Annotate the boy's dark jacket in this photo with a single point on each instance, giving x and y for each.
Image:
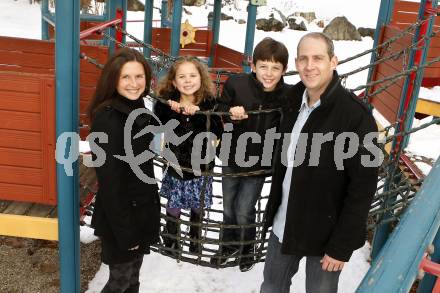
(327, 208)
(127, 210)
(195, 123)
(245, 90)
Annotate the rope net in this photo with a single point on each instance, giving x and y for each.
(396, 187)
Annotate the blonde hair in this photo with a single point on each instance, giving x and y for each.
(166, 88)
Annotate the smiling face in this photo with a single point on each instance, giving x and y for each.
(314, 65)
(187, 80)
(131, 82)
(268, 73)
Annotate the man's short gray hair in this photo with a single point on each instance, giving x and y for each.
(321, 36)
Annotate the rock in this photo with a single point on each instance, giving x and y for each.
(135, 5)
(49, 267)
(16, 242)
(194, 2)
(309, 16)
(222, 16)
(241, 21)
(366, 32)
(293, 25)
(320, 23)
(341, 29)
(269, 25)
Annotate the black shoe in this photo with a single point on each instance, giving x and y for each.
(222, 258)
(246, 263)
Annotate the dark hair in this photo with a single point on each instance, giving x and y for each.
(320, 36)
(106, 90)
(270, 50)
(166, 89)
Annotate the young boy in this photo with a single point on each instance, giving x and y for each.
(261, 89)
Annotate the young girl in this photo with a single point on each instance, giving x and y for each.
(188, 88)
(127, 209)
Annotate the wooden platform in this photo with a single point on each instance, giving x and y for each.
(428, 107)
(29, 220)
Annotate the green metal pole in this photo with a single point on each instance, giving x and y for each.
(148, 26)
(175, 33)
(215, 29)
(164, 14)
(250, 34)
(67, 77)
(44, 24)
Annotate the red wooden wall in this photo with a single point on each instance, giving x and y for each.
(27, 137)
(27, 116)
(404, 14)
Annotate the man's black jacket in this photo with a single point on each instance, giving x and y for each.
(327, 208)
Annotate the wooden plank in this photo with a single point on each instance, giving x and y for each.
(29, 227)
(20, 121)
(27, 45)
(21, 176)
(19, 101)
(19, 192)
(401, 5)
(17, 208)
(27, 59)
(428, 107)
(20, 139)
(20, 158)
(383, 109)
(40, 210)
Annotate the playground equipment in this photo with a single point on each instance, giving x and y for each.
(61, 64)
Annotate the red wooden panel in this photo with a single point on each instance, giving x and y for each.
(20, 192)
(383, 109)
(226, 57)
(400, 5)
(20, 139)
(22, 102)
(21, 158)
(28, 139)
(18, 175)
(26, 45)
(20, 120)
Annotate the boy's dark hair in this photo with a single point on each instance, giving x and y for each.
(270, 50)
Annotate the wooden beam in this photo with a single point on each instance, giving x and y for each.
(428, 107)
(29, 227)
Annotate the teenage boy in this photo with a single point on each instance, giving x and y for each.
(261, 89)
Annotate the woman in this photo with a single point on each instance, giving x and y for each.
(127, 210)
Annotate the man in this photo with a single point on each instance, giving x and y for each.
(262, 89)
(318, 210)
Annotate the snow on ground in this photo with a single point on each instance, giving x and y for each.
(161, 274)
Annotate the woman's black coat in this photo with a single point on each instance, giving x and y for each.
(127, 210)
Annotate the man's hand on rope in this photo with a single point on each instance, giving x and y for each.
(238, 113)
(330, 264)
